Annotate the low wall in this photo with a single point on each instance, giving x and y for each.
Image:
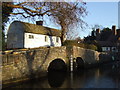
(89, 56)
(23, 65)
(26, 64)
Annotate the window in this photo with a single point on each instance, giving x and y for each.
(57, 39)
(108, 48)
(31, 37)
(103, 48)
(46, 39)
(113, 48)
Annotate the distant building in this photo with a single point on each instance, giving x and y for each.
(108, 40)
(26, 35)
(107, 46)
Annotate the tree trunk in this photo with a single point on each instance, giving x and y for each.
(63, 33)
(63, 38)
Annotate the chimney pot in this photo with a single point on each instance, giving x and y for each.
(118, 32)
(98, 31)
(98, 34)
(114, 30)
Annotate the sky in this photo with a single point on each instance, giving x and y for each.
(101, 13)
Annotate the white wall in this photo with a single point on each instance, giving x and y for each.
(39, 40)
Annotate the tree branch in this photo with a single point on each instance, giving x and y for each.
(21, 7)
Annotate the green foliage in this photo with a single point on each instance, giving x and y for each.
(83, 45)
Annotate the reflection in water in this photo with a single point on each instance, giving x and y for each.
(106, 76)
(56, 79)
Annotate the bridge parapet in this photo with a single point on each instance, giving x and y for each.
(23, 64)
(28, 63)
(89, 56)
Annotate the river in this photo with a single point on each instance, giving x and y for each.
(106, 76)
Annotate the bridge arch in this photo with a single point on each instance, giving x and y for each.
(80, 63)
(57, 65)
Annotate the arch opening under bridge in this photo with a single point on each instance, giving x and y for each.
(80, 63)
(57, 65)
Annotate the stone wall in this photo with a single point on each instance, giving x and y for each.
(92, 57)
(14, 67)
(89, 56)
(28, 64)
(25, 64)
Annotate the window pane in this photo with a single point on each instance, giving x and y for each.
(31, 36)
(57, 39)
(46, 39)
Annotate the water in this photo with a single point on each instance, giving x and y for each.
(106, 76)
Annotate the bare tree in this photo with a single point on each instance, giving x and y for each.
(65, 14)
(97, 26)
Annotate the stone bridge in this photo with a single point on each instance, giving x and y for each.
(23, 64)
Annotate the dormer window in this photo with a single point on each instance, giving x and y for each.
(31, 37)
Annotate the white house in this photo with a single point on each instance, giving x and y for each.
(25, 35)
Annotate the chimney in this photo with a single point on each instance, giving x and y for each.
(98, 31)
(114, 30)
(93, 33)
(39, 23)
(98, 34)
(118, 32)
